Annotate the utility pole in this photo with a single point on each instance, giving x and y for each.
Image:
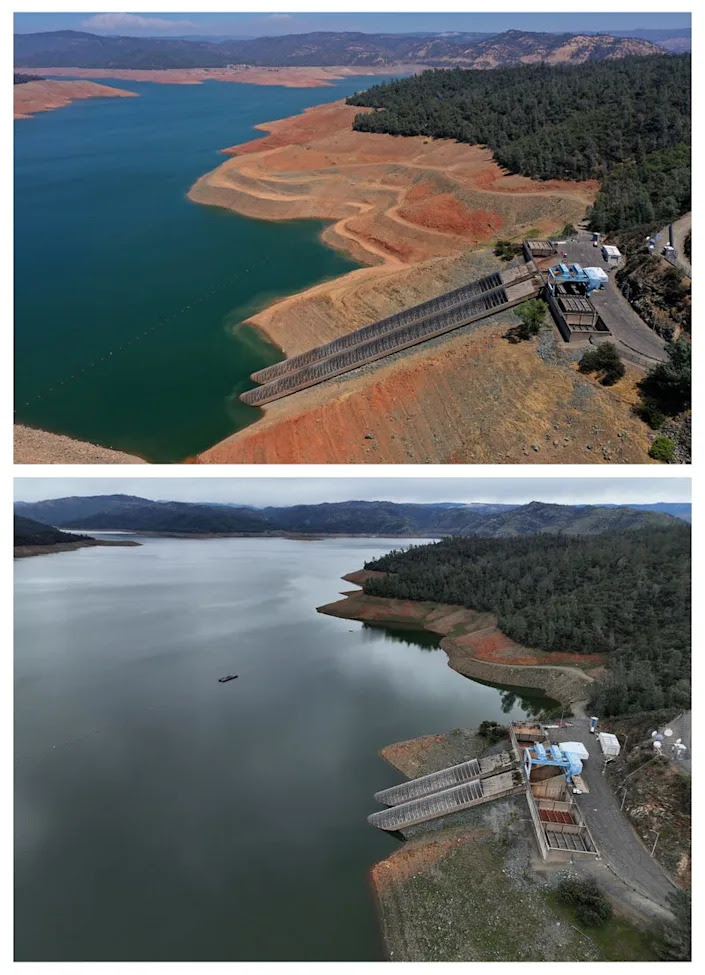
(653, 848)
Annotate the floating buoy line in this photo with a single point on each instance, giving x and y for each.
(116, 350)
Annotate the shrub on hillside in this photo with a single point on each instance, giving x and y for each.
(604, 359)
(591, 906)
(506, 249)
(662, 449)
(492, 731)
(668, 383)
(650, 413)
(532, 315)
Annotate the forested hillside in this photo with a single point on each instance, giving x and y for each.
(626, 122)
(339, 518)
(626, 594)
(22, 79)
(653, 187)
(30, 532)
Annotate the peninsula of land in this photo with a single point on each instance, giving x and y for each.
(25, 551)
(421, 215)
(397, 203)
(45, 94)
(35, 538)
(475, 645)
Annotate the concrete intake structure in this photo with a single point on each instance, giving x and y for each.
(408, 317)
(447, 791)
(480, 299)
(444, 779)
(472, 793)
(561, 831)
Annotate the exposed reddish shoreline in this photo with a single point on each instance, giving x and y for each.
(397, 203)
(422, 215)
(42, 96)
(474, 644)
(303, 77)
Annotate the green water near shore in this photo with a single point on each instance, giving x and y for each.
(160, 815)
(130, 299)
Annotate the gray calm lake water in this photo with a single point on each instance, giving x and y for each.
(162, 815)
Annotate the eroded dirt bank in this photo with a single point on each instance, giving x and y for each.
(41, 96)
(303, 77)
(475, 646)
(421, 214)
(397, 202)
(469, 397)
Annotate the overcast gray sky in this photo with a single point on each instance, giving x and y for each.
(262, 491)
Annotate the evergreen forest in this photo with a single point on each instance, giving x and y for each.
(625, 594)
(625, 122)
(22, 79)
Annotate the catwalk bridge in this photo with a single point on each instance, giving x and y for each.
(472, 302)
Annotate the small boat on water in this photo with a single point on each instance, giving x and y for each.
(224, 680)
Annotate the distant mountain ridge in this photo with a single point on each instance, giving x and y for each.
(127, 513)
(80, 49)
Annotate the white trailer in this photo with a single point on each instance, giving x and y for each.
(609, 744)
(611, 254)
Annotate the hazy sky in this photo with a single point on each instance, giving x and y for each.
(259, 24)
(260, 491)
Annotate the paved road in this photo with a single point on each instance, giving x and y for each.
(627, 328)
(617, 842)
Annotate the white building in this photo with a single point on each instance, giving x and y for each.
(611, 254)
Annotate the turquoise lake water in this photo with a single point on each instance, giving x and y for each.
(108, 248)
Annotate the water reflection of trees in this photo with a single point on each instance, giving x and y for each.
(508, 700)
(421, 639)
(533, 707)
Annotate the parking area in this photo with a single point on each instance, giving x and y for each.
(628, 329)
